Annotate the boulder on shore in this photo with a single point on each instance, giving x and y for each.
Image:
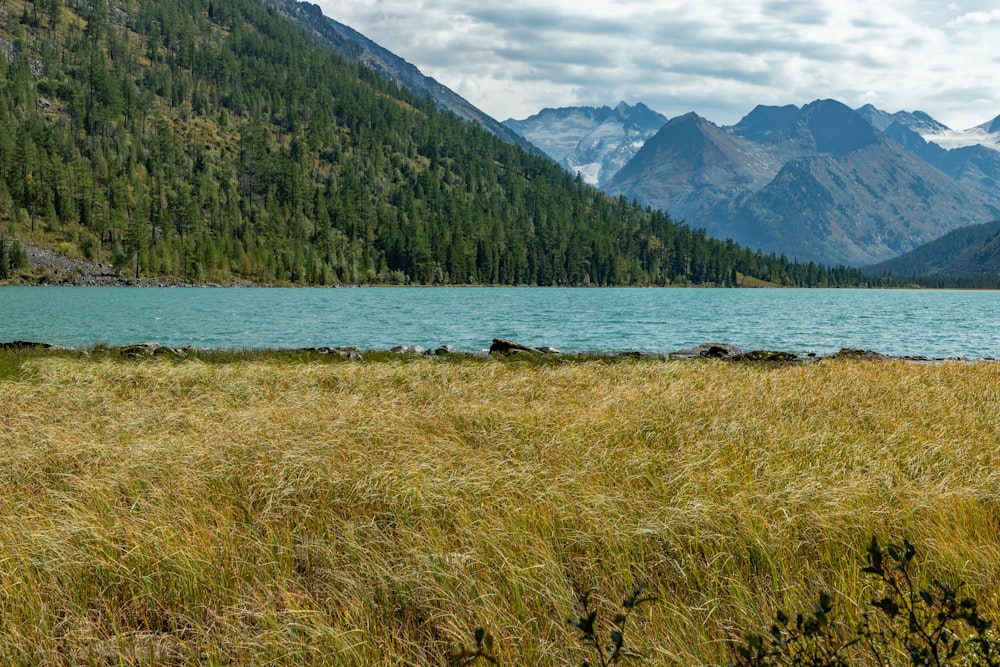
(25, 345)
(709, 351)
(151, 350)
(504, 346)
(768, 356)
(848, 353)
(407, 349)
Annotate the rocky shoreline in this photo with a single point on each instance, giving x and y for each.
(503, 348)
(722, 351)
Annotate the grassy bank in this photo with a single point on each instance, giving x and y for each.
(295, 511)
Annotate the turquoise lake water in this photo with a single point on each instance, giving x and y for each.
(898, 322)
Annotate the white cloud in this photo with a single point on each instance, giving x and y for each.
(976, 18)
(720, 59)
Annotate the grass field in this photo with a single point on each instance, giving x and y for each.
(270, 510)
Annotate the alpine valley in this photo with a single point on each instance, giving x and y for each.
(258, 141)
(820, 183)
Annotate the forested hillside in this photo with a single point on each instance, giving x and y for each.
(967, 257)
(213, 140)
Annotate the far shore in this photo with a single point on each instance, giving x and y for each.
(51, 268)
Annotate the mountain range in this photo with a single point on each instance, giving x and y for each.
(811, 183)
(820, 183)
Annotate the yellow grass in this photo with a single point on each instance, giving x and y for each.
(374, 513)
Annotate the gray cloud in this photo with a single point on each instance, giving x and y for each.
(719, 59)
(795, 11)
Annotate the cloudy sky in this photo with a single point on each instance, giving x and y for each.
(720, 58)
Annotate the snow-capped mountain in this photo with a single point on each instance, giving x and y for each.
(593, 142)
(971, 157)
(933, 131)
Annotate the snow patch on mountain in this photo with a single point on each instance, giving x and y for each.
(594, 142)
(975, 136)
(987, 134)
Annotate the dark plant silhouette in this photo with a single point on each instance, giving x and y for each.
(905, 624)
(606, 644)
(612, 650)
(931, 626)
(813, 640)
(484, 650)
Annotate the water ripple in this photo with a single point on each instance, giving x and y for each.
(898, 322)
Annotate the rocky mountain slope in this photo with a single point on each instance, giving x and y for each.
(593, 142)
(818, 183)
(918, 121)
(351, 44)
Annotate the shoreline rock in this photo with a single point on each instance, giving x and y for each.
(848, 353)
(708, 351)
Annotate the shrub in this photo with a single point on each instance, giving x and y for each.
(603, 640)
(905, 624)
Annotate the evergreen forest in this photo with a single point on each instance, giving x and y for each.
(213, 140)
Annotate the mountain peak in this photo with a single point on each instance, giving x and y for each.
(918, 121)
(689, 117)
(764, 122)
(836, 128)
(823, 126)
(992, 126)
(681, 167)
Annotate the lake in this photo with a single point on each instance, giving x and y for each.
(898, 322)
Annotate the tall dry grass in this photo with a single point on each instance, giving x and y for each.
(374, 513)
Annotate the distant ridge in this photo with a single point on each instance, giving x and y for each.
(352, 45)
(817, 183)
(917, 120)
(965, 252)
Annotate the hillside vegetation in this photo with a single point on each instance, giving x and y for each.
(966, 257)
(214, 140)
(288, 511)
